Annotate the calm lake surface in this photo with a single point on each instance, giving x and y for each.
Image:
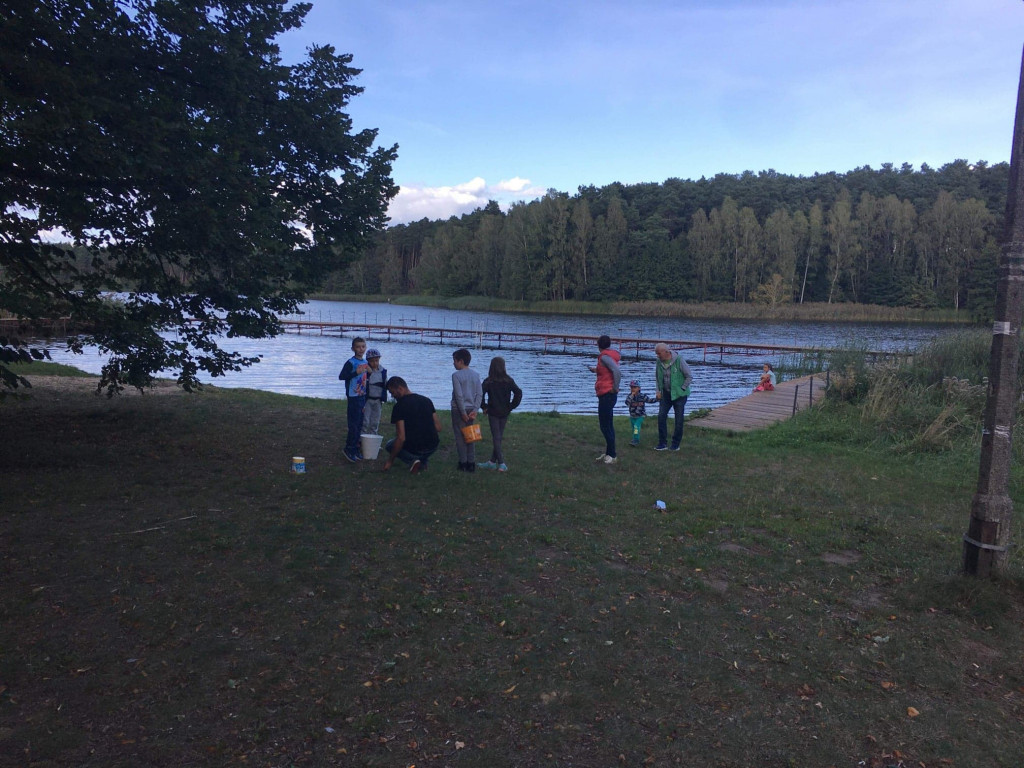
(308, 364)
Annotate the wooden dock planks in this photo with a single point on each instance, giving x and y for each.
(762, 409)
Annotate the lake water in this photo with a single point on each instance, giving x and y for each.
(308, 365)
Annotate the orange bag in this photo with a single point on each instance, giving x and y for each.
(471, 433)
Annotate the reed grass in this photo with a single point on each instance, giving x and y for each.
(928, 401)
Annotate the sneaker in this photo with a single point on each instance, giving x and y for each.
(634, 443)
(471, 466)
(661, 447)
(609, 459)
(674, 448)
(351, 455)
(487, 465)
(602, 457)
(462, 466)
(502, 468)
(417, 467)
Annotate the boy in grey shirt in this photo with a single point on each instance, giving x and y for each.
(467, 393)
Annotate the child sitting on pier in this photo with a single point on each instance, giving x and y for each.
(636, 402)
(767, 383)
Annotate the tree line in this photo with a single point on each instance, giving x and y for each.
(891, 236)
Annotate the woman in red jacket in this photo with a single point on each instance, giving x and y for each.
(607, 388)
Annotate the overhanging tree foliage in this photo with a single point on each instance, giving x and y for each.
(208, 182)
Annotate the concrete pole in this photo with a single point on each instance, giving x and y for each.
(988, 534)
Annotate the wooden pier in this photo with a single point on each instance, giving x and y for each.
(762, 409)
(704, 351)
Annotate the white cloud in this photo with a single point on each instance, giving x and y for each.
(415, 202)
(474, 186)
(515, 184)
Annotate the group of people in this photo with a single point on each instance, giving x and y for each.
(418, 427)
(674, 381)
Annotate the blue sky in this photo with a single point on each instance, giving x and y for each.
(503, 100)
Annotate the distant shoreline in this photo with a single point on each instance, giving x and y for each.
(810, 312)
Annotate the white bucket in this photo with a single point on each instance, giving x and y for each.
(298, 464)
(369, 446)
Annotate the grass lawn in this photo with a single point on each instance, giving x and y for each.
(173, 595)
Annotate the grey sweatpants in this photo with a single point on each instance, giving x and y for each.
(371, 417)
(467, 451)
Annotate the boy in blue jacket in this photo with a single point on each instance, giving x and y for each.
(354, 374)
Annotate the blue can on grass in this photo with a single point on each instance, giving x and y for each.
(298, 465)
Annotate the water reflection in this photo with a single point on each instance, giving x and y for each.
(308, 364)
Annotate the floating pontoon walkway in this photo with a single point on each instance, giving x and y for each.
(547, 342)
(762, 409)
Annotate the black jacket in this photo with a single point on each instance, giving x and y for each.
(501, 397)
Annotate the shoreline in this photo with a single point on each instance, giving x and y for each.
(810, 312)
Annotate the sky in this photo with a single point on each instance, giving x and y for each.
(506, 100)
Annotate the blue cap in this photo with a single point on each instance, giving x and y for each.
(372, 353)
(633, 383)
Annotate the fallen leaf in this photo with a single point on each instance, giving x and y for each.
(460, 745)
(888, 685)
(509, 690)
(911, 712)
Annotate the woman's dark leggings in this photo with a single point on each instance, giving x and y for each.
(605, 407)
(497, 424)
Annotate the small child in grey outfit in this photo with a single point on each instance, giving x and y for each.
(376, 393)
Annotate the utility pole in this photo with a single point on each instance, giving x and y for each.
(988, 534)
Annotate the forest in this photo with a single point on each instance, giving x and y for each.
(924, 238)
